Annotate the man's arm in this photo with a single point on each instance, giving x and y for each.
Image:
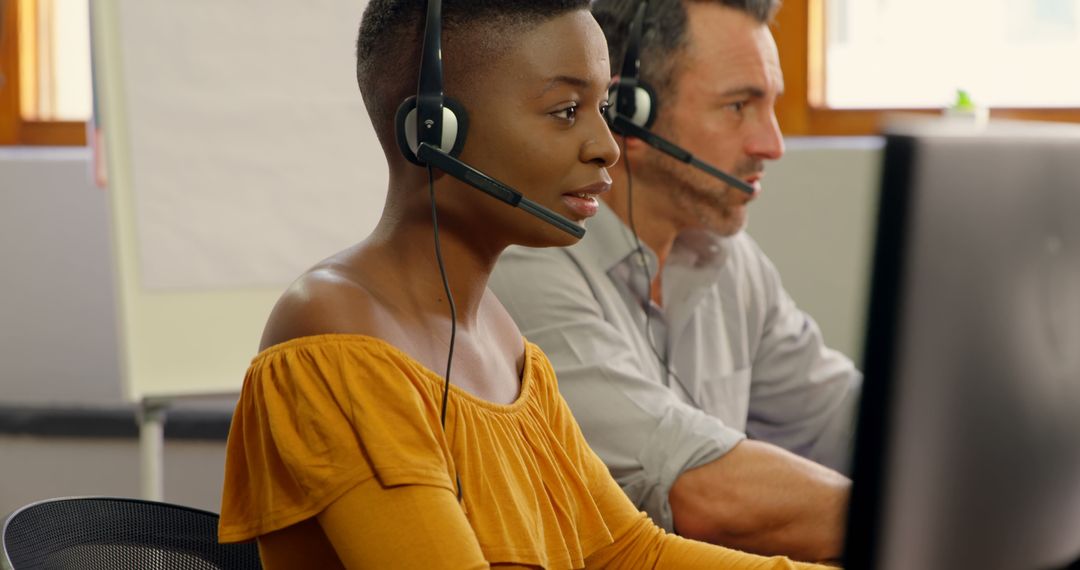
(649, 439)
(761, 498)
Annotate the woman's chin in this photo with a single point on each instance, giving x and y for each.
(549, 236)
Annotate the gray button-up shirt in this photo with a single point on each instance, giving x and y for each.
(744, 360)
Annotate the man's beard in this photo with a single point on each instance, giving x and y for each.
(701, 200)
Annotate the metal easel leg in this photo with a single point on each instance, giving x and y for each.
(152, 449)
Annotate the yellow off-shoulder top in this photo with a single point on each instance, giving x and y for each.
(326, 415)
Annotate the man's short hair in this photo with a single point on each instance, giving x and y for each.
(665, 33)
(391, 34)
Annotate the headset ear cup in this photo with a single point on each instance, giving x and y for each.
(644, 104)
(455, 126)
(612, 100)
(405, 130)
(647, 104)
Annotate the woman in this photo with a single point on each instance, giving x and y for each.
(339, 455)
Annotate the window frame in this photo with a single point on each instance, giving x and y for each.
(799, 31)
(14, 129)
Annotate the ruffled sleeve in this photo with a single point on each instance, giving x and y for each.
(318, 416)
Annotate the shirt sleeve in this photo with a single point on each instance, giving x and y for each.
(409, 526)
(640, 429)
(803, 394)
(314, 421)
(644, 545)
(637, 541)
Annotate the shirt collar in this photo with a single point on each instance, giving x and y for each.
(699, 249)
(696, 259)
(609, 242)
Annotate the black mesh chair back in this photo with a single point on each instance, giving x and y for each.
(95, 533)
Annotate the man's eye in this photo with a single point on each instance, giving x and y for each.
(567, 114)
(737, 106)
(604, 107)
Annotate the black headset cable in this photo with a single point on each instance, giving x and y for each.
(647, 304)
(453, 312)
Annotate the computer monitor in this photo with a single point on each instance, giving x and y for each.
(967, 451)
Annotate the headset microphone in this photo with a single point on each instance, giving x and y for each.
(633, 107)
(431, 130)
(624, 126)
(473, 177)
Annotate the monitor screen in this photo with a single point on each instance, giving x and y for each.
(967, 450)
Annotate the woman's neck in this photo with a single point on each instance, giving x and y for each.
(404, 247)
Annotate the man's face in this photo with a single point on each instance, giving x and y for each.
(725, 87)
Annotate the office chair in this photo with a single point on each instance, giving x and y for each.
(100, 533)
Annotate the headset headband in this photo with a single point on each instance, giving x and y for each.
(631, 92)
(626, 102)
(431, 115)
(429, 94)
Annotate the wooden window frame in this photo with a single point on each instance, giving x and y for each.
(14, 129)
(800, 37)
(799, 31)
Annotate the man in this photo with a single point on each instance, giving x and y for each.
(732, 422)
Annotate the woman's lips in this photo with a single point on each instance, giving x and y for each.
(583, 201)
(584, 205)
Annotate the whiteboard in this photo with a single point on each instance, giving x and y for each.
(239, 153)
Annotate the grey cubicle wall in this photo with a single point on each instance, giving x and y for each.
(57, 306)
(65, 428)
(815, 220)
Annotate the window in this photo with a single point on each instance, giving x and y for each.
(45, 87)
(917, 53)
(847, 63)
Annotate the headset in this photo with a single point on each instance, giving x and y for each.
(431, 130)
(634, 104)
(632, 110)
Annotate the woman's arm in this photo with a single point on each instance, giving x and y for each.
(410, 526)
(644, 545)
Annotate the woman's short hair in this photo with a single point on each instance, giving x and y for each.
(391, 32)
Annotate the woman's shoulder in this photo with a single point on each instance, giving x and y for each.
(337, 370)
(331, 324)
(330, 298)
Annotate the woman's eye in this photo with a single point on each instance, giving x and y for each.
(567, 114)
(737, 106)
(604, 107)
